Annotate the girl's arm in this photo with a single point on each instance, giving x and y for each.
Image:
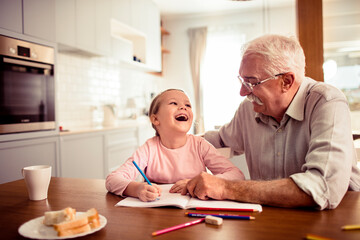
(218, 164)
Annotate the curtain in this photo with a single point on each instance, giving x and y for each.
(197, 52)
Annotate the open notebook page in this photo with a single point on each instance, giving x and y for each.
(184, 202)
(166, 199)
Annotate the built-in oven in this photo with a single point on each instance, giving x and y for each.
(27, 91)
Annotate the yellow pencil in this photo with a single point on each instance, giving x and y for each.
(351, 227)
(316, 237)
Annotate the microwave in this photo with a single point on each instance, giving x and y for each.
(27, 86)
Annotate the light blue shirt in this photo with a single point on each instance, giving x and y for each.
(312, 145)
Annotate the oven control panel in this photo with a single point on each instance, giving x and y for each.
(12, 47)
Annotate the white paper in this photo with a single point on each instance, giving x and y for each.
(184, 201)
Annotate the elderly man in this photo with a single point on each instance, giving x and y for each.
(295, 133)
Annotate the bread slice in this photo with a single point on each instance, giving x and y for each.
(82, 223)
(55, 217)
(93, 218)
(73, 231)
(77, 222)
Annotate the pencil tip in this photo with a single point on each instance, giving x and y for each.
(251, 217)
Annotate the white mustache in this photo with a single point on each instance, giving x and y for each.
(253, 98)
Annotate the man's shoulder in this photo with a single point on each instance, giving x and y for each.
(326, 91)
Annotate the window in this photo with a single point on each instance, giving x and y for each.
(221, 88)
(342, 52)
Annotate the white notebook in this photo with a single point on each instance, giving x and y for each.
(184, 201)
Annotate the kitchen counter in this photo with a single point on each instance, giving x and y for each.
(121, 124)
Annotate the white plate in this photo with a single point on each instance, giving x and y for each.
(35, 229)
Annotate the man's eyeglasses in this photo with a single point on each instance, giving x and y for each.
(250, 86)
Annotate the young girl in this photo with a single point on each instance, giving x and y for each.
(172, 156)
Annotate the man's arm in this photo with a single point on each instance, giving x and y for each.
(280, 193)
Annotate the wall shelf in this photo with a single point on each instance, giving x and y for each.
(132, 36)
(164, 32)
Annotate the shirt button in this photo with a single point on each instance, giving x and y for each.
(278, 153)
(279, 130)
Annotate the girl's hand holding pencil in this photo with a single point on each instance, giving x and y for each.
(148, 192)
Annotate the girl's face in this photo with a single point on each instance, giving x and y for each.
(174, 115)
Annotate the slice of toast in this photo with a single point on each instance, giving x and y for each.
(75, 223)
(82, 223)
(93, 218)
(55, 217)
(73, 231)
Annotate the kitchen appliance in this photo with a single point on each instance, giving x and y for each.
(27, 92)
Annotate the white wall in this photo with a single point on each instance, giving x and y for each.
(85, 83)
(255, 23)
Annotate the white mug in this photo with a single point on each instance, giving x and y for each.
(37, 179)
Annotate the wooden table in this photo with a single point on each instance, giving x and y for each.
(139, 223)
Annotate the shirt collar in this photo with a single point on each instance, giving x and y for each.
(296, 107)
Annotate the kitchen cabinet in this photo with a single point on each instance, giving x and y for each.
(96, 154)
(145, 17)
(39, 19)
(143, 20)
(120, 145)
(85, 24)
(119, 29)
(102, 27)
(76, 26)
(15, 155)
(11, 15)
(65, 23)
(82, 155)
(121, 10)
(34, 18)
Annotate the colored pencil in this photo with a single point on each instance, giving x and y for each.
(316, 237)
(227, 209)
(351, 227)
(225, 216)
(166, 230)
(141, 172)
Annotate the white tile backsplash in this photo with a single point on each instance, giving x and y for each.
(85, 84)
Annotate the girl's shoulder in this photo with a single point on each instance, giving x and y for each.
(197, 139)
(153, 140)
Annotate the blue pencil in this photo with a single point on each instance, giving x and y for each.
(225, 216)
(141, 172)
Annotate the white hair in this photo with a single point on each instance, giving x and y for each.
(281, 54)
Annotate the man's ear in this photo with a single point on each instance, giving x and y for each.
(288, 80)
(154, 120)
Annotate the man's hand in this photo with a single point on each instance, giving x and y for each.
(205, 186)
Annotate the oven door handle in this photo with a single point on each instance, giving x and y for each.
(26, 63)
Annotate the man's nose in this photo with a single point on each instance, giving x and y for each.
(244, 91)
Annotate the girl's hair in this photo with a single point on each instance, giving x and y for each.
(155, 105)
(281, 54)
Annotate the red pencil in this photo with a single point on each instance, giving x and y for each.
(178, 227)
(227, 209)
